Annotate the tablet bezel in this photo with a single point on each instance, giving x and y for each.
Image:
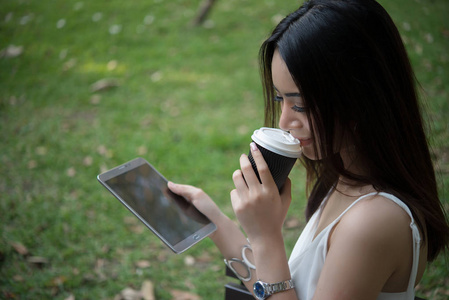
(181, 246)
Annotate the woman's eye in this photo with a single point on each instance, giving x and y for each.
(295, 108)
(299, 108)
(278, 99)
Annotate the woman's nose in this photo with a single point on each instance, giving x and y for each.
(289, 119)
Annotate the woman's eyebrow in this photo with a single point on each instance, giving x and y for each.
(293, 95)
(289, 94)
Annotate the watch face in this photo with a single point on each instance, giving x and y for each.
(259, 290)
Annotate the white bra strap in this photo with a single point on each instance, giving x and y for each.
(416, 240)
(352, 204)
(413, 227)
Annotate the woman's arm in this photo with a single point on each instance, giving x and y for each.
(369, 249)
(261, 211)
(228, 237)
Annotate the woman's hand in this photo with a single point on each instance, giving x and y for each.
(199, 199)
(259, 207)
(228, 236)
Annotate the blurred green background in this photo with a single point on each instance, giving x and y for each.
(88, 85)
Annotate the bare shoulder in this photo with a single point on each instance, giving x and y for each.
(372, 238)
(377, 222)
(377, 213)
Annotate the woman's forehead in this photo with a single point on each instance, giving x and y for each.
(282, 79)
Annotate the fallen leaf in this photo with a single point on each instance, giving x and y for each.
(97, 16)
(243, 129)
(38, 261)
(20, 248)
(156, 76)
(11, 51)
(428, 37)
(104, 84)
(143, 264)
(162, 256)
(209, 24)
(95, 99)
(100, 263)
(89, 278)
(137, 228)
(17, 278)
(61, 23)
(41, 150)
(8, 17)
(87, 161)
(65, 227)
(406, 26)
(91, 214)
(112, 65)
(9, 295)
(128, 294)
(205, 257)
(142, 150)
(70, 297)
(147, 290)
(146, 121)
(32, 164)
(99, 268)
(71, 172)
(291, 223)
(130, 220)
(115, 29)
(25, 19)
(69, 64)
(182, 295)
(58, 281)
(102, 150)
(74, 194)
(445, 32)
(63, 54)
(189, 260)
(277, 18)
(103, 168)
(78, 6)
(149, 19)
(216, 268)
(105, 249)
(188, 284)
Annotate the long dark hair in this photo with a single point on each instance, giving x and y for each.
(350, 65)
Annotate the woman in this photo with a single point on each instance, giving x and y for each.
(339, 73)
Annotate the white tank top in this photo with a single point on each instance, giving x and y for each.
(308, 255)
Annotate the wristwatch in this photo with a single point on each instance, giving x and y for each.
(263, 290)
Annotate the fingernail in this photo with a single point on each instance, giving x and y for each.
(253, 146)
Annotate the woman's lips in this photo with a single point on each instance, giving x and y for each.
(305, 142)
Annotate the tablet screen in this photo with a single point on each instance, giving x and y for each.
(146, 192)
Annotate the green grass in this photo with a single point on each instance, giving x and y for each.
(187, 100)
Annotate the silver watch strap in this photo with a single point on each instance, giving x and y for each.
(286, 285)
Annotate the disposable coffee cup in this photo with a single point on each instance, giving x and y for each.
(280, 151)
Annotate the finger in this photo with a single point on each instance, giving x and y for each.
(262, 167)
(286, 192)
(239, 181)
(187, 191)
(234, 197)
(235, 201)
(248, 171)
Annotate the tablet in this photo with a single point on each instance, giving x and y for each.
(143, 190)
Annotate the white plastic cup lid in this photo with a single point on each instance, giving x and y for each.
(277, 141)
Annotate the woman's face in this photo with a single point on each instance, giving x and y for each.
(293, 117)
